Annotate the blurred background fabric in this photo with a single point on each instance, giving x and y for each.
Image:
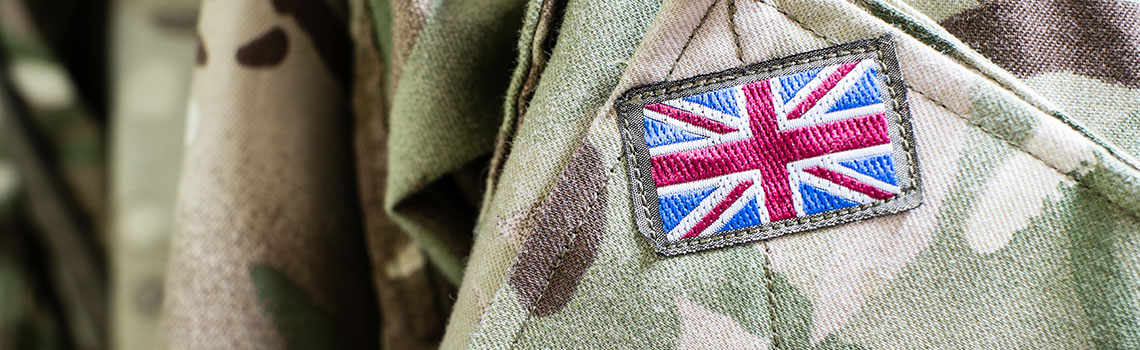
(212, 174)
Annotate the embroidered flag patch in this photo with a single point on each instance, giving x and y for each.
(790, 145)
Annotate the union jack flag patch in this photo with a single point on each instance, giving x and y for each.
(790, 145)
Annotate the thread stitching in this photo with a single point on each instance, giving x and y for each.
(635, 99)
(904, 127)
(735, 33)
(566, 249)
(771, 281)
(691, 36)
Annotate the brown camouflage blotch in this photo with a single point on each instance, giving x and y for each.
(201, 57)
(1096, 38)
(408, 19)
(321, 23)
(267, 50)
(565, 231)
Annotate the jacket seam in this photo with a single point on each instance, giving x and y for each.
(1135, 216)
(770, 283)
(576, 230)
(692, 35)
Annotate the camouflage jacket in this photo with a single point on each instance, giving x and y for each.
(570, 174)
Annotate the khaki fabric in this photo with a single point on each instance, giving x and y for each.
(268, 248)
(419, 174)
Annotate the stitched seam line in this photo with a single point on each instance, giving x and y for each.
(585, 209)
(565, 249)
(635, 99)
(735, 33)
(690, 39)
(636, 170)
(771, 282)
(972, 63)
(502, 140)
(1135, 216)
(788, 222)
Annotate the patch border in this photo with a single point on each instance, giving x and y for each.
(648, 218)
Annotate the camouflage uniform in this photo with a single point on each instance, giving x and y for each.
(418, 174)
(1026, 237)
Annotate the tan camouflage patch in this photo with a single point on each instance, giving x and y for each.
(482, 301)
(1061, 147)
(289, 121)
(941, 9)
(193, 120)
(757, 19)
(407, 262)
(1009, 200)
(513, 227)
(1108, 109)
(702, 329)
(863, 256)
(711, 47)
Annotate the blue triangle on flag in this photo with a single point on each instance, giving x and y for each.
(675, 207)
(863, 93)
(659, 134)
(721, 100)
(749, 215)
(818, 201)
(880, 167)
(792, 83)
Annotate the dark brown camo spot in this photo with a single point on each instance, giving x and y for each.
(317, 19)
(201, 56)
(267, 50)
(565, 230)
(1095, 38)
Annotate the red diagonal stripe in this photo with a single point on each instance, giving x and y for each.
(836, 136)
(719, 209)
(706, 163)
(691, 118)
(849, 182)
(821, 90)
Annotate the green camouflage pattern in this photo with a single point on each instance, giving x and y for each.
(417, 174)
(1026, 239)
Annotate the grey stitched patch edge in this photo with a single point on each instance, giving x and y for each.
(647, 215)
